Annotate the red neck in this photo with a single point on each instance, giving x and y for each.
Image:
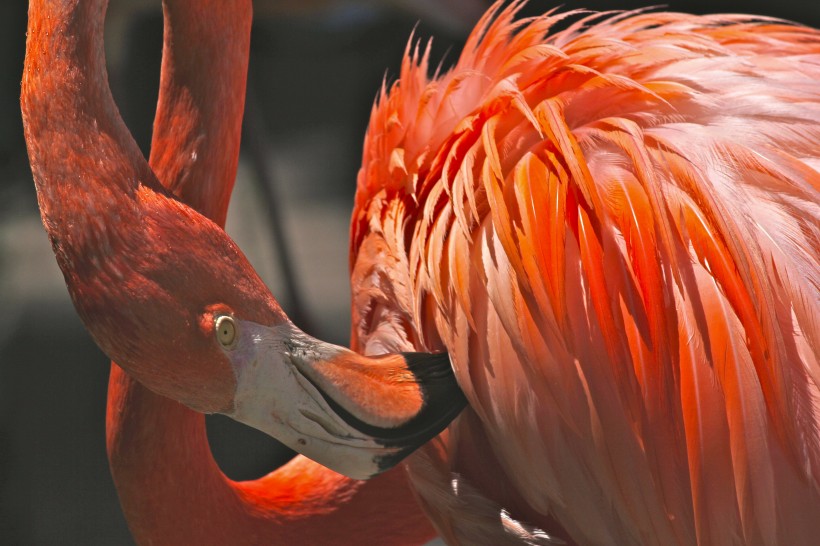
(83, 158)
(172, 491)
(170, 487)
(68, 110)
(195, 146)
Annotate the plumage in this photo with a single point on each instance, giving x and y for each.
(613, 230)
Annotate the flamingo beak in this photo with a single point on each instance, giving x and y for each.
(356, 415)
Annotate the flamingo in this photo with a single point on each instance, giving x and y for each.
(157, 447)
(612, 229)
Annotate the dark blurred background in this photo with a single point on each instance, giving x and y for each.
(315, 68)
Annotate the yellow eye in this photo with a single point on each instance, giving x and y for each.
(225, 331)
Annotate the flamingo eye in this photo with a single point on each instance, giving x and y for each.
(225, 331)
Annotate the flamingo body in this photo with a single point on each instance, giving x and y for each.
(613, 230)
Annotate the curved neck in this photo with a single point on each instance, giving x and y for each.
(73, 130)
(170, 487)
(172, 491)
(197, 128)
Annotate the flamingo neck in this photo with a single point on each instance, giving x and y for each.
(198, 124)
(74, 130)
(172, 491)
(170, 487)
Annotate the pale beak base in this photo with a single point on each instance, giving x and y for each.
(356, 415)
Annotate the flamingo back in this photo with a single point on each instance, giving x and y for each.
(613, 229)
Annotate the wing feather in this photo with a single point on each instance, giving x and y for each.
(615, 232)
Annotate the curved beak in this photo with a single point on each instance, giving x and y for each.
(356, 415)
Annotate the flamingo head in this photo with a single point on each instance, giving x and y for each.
(171, 298)
(168, 295)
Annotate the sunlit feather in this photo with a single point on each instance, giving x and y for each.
(614, 228)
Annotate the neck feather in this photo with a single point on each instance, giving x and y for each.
(78, 145)
(195, 147)
(170, 487)
(172, 491)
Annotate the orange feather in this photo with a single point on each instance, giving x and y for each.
(618, 226)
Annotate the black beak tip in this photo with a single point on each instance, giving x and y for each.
(443, 402)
